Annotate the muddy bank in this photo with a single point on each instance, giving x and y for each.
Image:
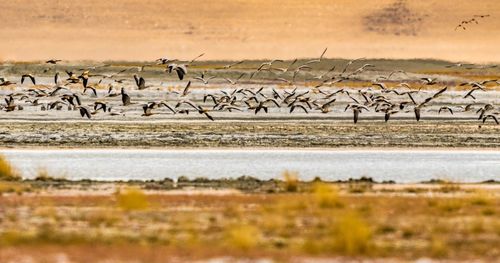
(285, 133)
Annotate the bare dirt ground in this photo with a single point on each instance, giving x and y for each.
(224, 29)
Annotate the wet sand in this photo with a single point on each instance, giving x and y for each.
(258, 133)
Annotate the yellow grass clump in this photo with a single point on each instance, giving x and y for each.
(291, 181)
(7, 171)
(326, 195)
(352, 236)
(438, 247)
(132, 199)
(242, 236)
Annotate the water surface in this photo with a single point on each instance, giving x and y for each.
(400, 166)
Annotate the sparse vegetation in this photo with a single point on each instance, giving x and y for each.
(326, 195)
(352, 236)
(131, 198)
(291, 181)
(321, 219)
(244, 237)
(7, 171)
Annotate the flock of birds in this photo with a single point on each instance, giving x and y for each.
(377, 98)
(473, 20)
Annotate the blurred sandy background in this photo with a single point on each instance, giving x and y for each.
(250, 29)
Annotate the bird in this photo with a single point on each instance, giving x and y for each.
(429, 81)
(445, 108)
(437, 94)
(140, 83)
(7, 83)
(319, 59)
(356, 110)
(84, 111)
(284, 70)
(99, 105)
(458, 65)
(474, 19)
(56, 78)
(416, 110)
(490, 116)
(125, 97)
(185, 92)
(94, 91)
(228, 66)
(205, 112)
(203, 79)
(298, 106)
(234, 82)
(147, 109)
(164, 61)
(53, 61)
(31, 77)
(388, 114)
(181, 70)
(396, 71)
(469, 94)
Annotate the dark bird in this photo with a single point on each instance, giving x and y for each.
(56, 78)
(140, 83)
(490, 116)
(99, 105)
(7, 83)
(53, 61)
(147, 109)
(125, 97)
(298, 106)
(185, 92)
(356, 110)
(445, 108)
(437, 94)
(85, 112)
(31, 77)
(388, 114)
(469, 94)
(417, 112)
(94, 91)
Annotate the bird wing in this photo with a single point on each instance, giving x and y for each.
(439, 92)
(209, 116)
(356, 115)
(186, 89)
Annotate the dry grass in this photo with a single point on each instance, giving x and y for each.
(7, 171)
(321, 219)
(243, 237)
(291, 180)
(130, 199)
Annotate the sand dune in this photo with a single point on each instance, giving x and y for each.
(226, 29)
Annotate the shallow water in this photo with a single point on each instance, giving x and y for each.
(400, 166)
